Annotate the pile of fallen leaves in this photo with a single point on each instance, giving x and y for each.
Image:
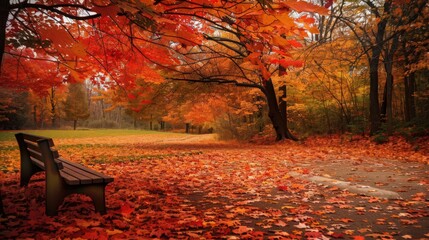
(395, 148)
(190, 189)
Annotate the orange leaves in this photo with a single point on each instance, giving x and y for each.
(242, 229)
(183, 34)
(303, 6)
(126, 209)
(62, 40)
(254, 58)
(295, 43)
(111, 10)
(286, 63)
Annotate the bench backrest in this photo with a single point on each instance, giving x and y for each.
(40, 151)
(29, 142)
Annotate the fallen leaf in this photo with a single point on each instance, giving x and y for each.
(113, 232)
(301, 226)
(126, 209)
(242, 229)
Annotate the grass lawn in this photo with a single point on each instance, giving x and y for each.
(58, 134)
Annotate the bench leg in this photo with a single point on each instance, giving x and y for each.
(55, 194)
(96, 193)
(27, 171)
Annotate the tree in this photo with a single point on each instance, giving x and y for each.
(13, 109)
(414, 45)
(255, 38)
(378, 26)
(29, 19)
(251, 41)
(76, 104)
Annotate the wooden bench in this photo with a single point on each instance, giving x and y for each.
(62, 177)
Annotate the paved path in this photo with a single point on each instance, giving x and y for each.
(385, 178)
(349, 186)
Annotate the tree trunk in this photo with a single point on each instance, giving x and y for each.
(409, 106)
(383, 108)
(374, 108)
(188, 127)
(74, 124)
(35, 116)
(282, 132)
(53, 106)
(4, 14)
(283, 112)
(409, 84)
(386, 109)
(1, 206)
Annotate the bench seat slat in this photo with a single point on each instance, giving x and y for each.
(71, 180)
(85, 177)
(105, 178)
(81, 172)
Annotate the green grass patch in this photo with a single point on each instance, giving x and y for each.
(139, 158)
(87, 133)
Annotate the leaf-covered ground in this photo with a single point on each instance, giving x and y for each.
(193, 187)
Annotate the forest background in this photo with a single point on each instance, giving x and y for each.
(239, 68)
